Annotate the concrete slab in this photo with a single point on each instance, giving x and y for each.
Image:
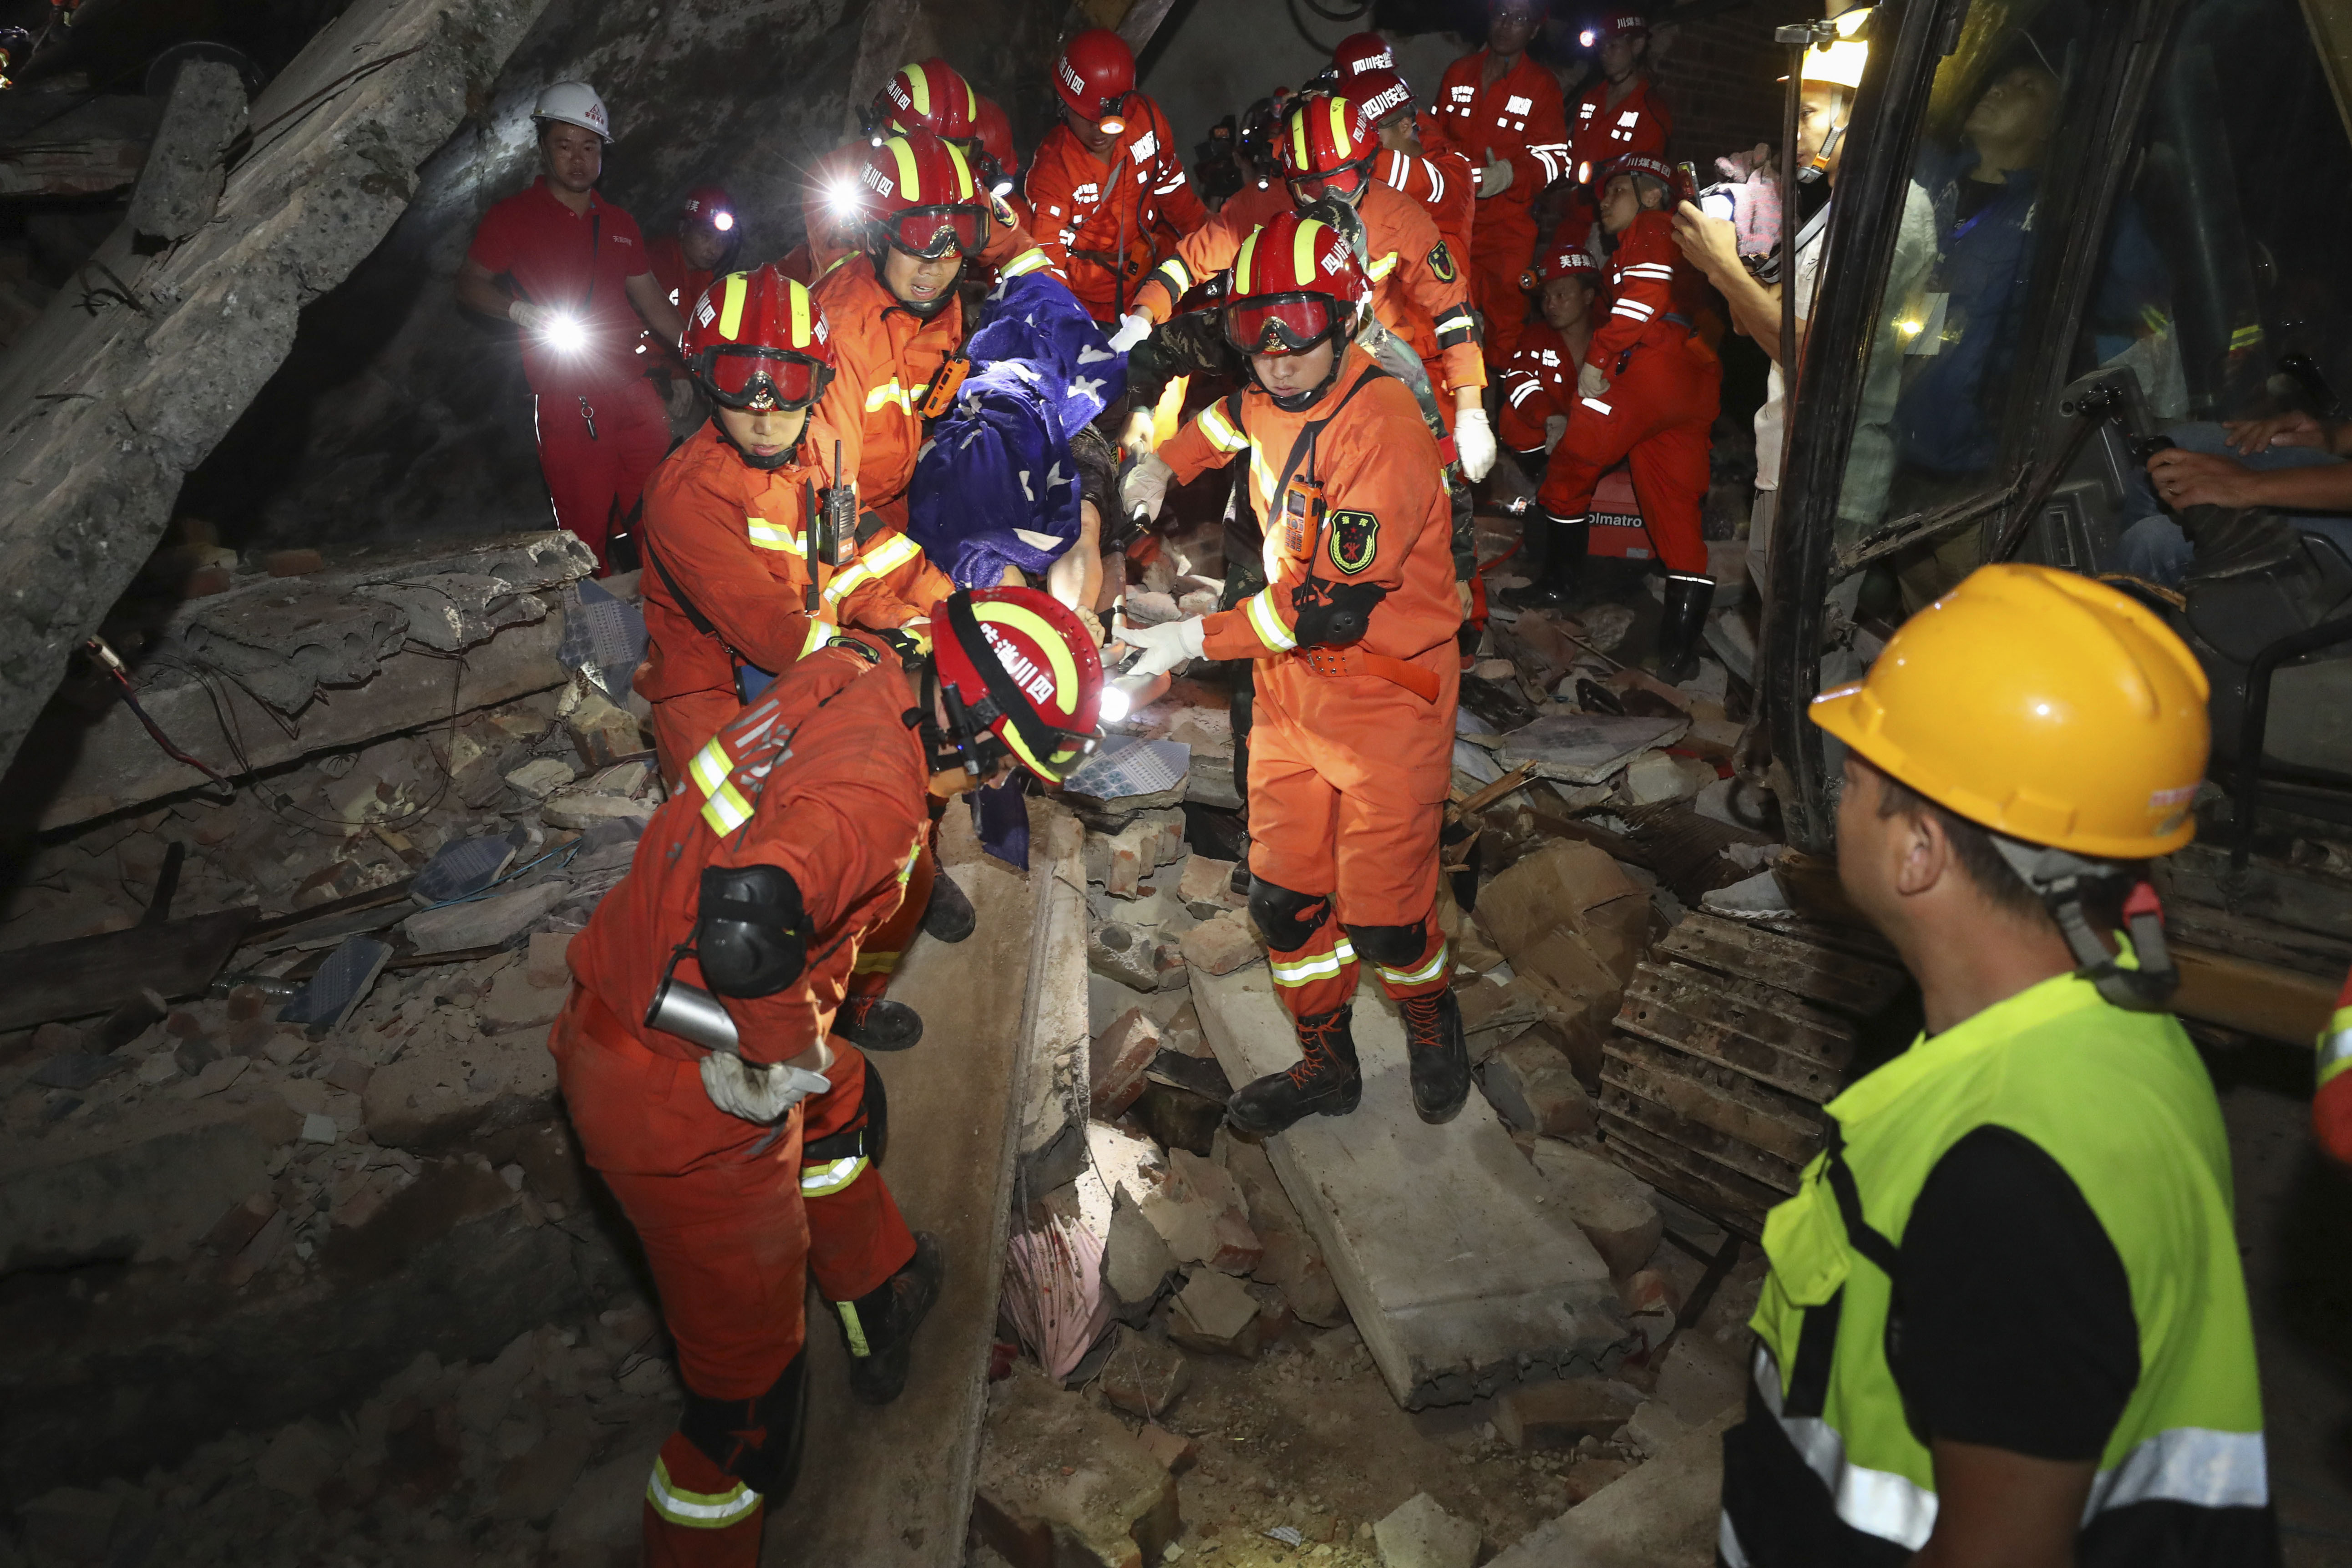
(893, 1488)
(1456, 1269)
(1663, 1515)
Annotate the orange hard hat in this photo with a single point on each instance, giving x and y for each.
(2043, 705)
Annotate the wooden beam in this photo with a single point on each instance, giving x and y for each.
(2259, 998)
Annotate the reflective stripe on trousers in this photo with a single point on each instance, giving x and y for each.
(696, 1511)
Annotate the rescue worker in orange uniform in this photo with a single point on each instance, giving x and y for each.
(1415, 158)
(704, 246)
(1110, 195)
(930, 95)
(1502, 110)
(571, 271)
(1420, 308)
(735, 585)
(1357, 674)
(899, 336)
(693, 1051)
(1649, 391)
(1621, 113)
(1540, 396)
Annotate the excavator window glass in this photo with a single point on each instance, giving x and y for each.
(1994, 179)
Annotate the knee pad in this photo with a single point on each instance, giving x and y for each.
(1392, 945)
(1289, 919)
(758, 1441)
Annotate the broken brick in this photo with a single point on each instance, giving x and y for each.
(1559, 1414)
(1607, 1202)
(1221, 945)
(1532, 1085)
(1144, 1376)
(1121, 1054)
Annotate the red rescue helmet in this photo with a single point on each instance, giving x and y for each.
(1094, 76)
(756, 339)
(996, 132)
(1641, 166)
(1617, 25)
(920, 195)
(1383, 94)
(710, 204)
(1327, 147)
(1018, 676)
(1297, 282)
(1566, 260)
(931, 95)
(1358, 53)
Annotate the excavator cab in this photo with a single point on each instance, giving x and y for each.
(2064, 233)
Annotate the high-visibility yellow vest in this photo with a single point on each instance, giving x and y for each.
(2121, 1102)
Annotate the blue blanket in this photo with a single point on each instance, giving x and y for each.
(995, 485)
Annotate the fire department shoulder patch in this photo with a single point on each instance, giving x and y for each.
(1355, 540)
(1441, 261)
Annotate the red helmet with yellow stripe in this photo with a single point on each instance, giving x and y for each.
(757, 340)
(1019, 677)
(1327, 147)
(1297, 283)
(920, 195)
(931, 95)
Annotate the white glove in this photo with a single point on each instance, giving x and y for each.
(1495, 178)
(1474, 443)
(1132, 330)
(1164, 646)
(1147, 485)
(1593, 381)
(529, 317)
(756, 1093)
(1555, 427)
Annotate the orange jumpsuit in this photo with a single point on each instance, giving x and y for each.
(1105, 225)
(1665, 388)
(1641, 122)
(735, 540)
(1417, 289)
(887, 357)
(1352, 744)
(1519, 121)
(1445, 185)
(822, 777)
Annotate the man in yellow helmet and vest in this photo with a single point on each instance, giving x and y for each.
(2005, 1322)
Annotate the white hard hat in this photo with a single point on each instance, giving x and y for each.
(574, 103)
(1837, 64)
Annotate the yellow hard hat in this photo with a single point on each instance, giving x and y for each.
(1839, 64)
(2042, 705)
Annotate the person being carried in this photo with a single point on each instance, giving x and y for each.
(571, 270)
(1357, 678)
(744, 1143)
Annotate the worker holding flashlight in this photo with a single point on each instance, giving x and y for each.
(571, 271)
(709, 235)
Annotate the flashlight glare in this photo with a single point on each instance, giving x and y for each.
(565, 334)
(841, 199)
(1116, 704)
(722, 221)
(1585, 37)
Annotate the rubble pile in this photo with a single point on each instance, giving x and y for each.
(1228, 1410)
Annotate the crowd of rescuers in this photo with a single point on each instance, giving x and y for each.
(1374, 288)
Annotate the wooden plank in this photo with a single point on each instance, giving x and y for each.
(1731, 1213)
(892, 1488)
(1651, 1116)
(92, 974)
(1459, 1273)
(2192, 924)
(1732, 1103)
(2265, 890)
(1743, 1023)
(1751, 1195)
(1837, 980)
(2259, 998)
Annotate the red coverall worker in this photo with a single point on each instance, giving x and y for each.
(788, 847)
(1356, 671)
(1517, 120)
(600, 426)
(923, 202)
(1649, 392)
(1622, 113)
(709, 218)
(1539, 394)
(729, 577)
(1108, 214)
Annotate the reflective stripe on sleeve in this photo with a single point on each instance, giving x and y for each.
(1029, 260)
(2336, 1046)
(847, 581)
(1595, 405)
(1219, 430)
(888, 393)
(698, 1510)
(1525, 389)
(766, 535)
(1266, 621)
(827, 1177)
(1382, 267)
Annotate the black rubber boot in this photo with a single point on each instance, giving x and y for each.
(1439, 1057)
(1565, 545)
(1684, 624)
(877, 1024)
(879, 1326)
(948, 916)
(1325, 1082)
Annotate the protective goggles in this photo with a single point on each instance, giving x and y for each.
(1281, 323)
(742, 378)
(931, 232)
(1346, 183)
